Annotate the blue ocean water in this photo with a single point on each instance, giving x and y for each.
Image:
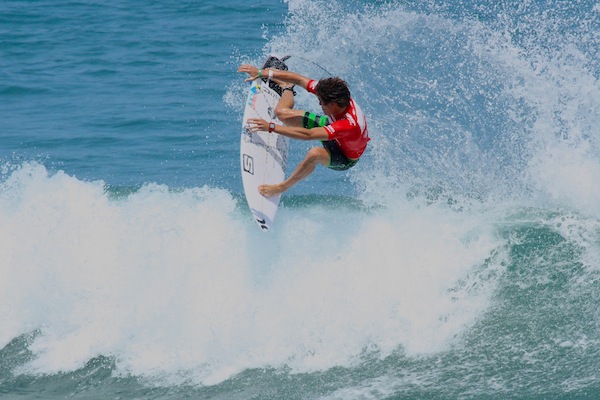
(460, 259)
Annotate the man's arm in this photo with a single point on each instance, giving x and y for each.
(293, 132)
(276, 74)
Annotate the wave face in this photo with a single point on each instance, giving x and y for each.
(460, 260)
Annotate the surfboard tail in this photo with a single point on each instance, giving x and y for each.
(277, 63)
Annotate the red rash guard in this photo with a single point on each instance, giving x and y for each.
(348, 129)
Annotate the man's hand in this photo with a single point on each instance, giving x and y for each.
(250, 70)
(258, 124)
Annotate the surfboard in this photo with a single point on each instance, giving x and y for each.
(263, 155)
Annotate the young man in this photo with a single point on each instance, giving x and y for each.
(343, 132)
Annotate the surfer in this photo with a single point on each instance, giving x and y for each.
(342, 130)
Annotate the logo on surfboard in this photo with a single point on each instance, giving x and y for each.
(248, 163)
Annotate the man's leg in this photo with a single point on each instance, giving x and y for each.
(316, 155)
(285, 109)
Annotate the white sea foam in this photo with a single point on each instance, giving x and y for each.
(181, 286)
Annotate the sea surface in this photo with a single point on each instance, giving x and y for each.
(459, 259)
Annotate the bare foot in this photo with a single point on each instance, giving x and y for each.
(270, 190)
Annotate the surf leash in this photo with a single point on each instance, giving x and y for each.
(307, 60)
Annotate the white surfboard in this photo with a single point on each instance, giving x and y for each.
(263, 155)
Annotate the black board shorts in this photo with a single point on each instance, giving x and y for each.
(337, 159)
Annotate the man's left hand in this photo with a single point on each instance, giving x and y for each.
(258, 124)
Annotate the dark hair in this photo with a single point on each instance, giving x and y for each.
(333, 90)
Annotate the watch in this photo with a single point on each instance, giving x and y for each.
(271, 126)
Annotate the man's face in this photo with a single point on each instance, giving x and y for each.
(328, 108)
